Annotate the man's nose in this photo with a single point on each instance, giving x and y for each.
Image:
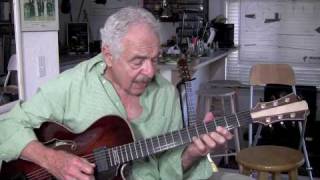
(149, 68)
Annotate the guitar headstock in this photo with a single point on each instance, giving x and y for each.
(287, 108)
(184, 69)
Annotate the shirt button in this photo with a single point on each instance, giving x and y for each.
(104, 81)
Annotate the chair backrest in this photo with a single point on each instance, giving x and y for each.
(12, 66)
(263, 74)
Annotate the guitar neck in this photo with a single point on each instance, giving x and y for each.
(143, 148)
(192, 117)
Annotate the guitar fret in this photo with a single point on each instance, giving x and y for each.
(109, 151)
(235, 114)
(226, 123)
(135, 149)
(172, 138)
(147, 148)
(181, 140)
(151, 140)
(188, 134)
(159, 146)
(205, 126)
(121, 154)
(215, 124)
(142, 155)
(197, 131)
(130, 151)
(165, 140)
(125, 149)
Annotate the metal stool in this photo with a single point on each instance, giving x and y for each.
(216, 96)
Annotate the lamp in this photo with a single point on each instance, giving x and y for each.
(166, 13)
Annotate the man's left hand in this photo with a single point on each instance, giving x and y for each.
(205, 144)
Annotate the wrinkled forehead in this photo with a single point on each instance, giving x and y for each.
(151, 50)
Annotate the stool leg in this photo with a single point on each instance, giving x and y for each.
(244, 170)
(235, 131)
(226, 158)
(276, 176)
(262, 175)
(293, 174)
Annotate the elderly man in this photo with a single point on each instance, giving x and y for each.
(121, 81)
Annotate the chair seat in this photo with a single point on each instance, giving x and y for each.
(270, 158)
(10, 89)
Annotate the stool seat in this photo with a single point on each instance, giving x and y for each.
(272, 159)
(210, 92)
(224, 83)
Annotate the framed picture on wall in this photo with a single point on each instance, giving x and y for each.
(39, 15)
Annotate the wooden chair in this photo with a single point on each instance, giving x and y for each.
(272, 159)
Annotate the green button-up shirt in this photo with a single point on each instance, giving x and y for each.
(79, 96)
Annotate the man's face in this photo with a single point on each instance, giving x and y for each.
(136, 65)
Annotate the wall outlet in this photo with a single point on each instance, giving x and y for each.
(42, 66)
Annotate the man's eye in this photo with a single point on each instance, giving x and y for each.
(137, 63)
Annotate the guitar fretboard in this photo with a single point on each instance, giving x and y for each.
(192, 117)
(142, 148)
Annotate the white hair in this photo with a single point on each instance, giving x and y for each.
(117, 25)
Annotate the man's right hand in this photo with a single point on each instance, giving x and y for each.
(62, 165)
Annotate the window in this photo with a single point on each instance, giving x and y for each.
(275, 32)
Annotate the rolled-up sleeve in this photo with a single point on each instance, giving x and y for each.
(17, 126)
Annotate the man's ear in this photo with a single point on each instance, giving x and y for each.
(107, 55)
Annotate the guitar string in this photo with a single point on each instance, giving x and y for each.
(91, 157)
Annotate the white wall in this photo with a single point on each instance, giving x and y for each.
(45, 46)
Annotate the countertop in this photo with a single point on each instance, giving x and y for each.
(200, 62)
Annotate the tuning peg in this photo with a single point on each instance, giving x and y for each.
(263, 105)
(282, 124)
(270, 125)
(292, 115)
(280, 116)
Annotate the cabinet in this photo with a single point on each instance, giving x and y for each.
(7, 46)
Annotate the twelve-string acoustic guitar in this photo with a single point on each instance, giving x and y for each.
(109, 142)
